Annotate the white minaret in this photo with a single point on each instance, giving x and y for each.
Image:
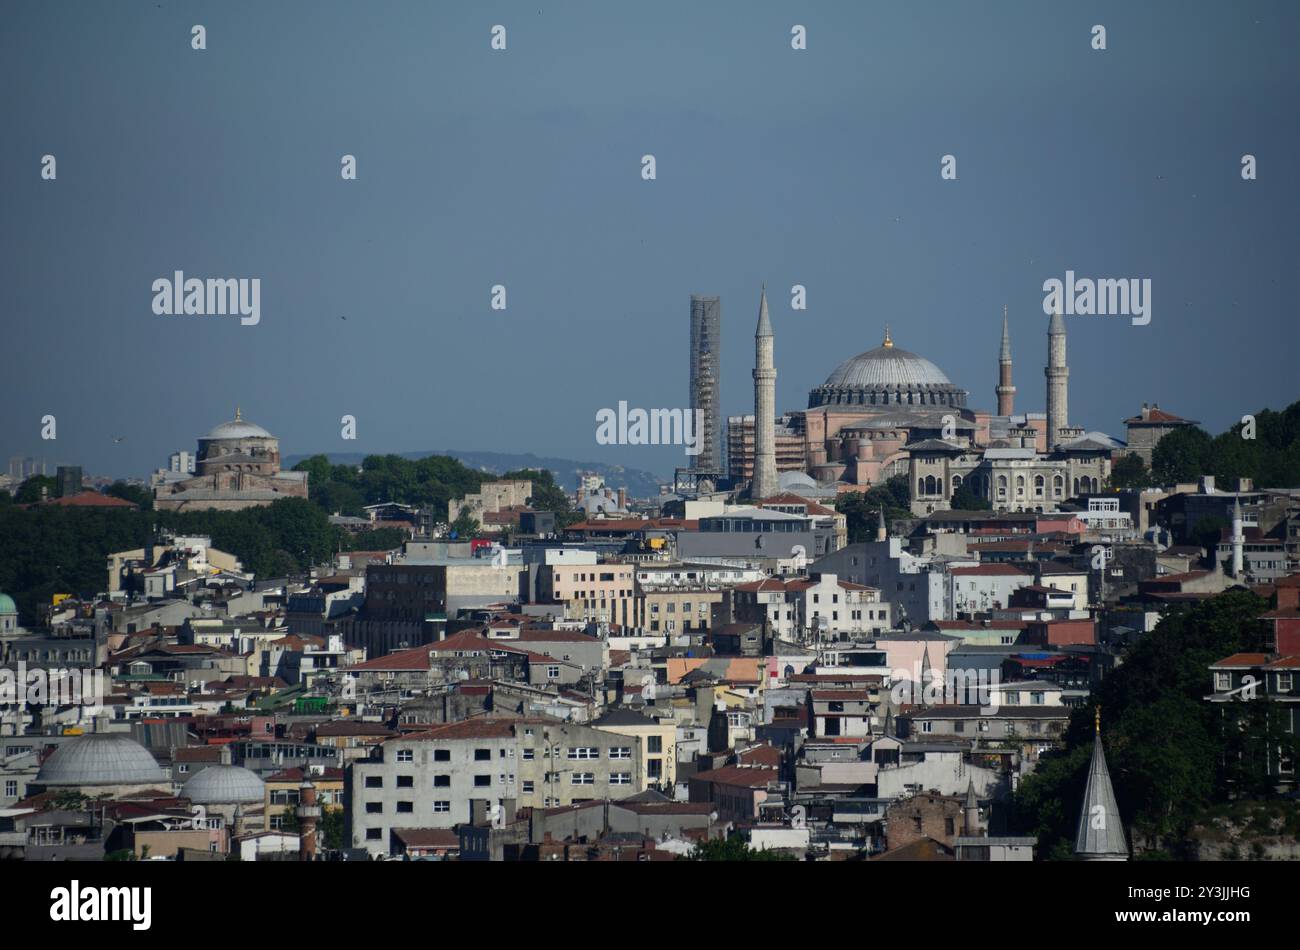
(764, 484)
(882, 530)
(1238, 539)
(1058, 380)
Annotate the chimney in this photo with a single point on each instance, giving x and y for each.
(308, 814)
(1146, 411)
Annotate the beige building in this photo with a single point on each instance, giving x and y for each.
(491, 498)
(600, 592)
(656, 742)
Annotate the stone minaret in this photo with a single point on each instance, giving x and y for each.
(1006, 392)
(764, 484)
(1238, 540)
(882, 529)
(1058, 380)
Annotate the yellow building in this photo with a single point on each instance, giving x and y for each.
(658, 743)
(284, 788)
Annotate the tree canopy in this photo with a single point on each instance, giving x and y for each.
(862, 509)
(1171, 754)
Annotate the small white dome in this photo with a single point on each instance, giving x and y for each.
(224, 785)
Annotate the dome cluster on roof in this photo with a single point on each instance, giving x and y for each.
(102, 758)
(887, 376)
(223, 785)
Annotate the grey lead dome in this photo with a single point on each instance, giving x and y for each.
(887, 376)
(887, 366)
(239, 429)
(223, 785)
(100, 759)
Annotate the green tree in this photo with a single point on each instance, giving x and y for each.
(861, 510)
(30, 491)
(1130, 472)
(464, 526)
(1181, 456)
(733, 848)
(136, 494)
(1206, 533)
(1164, 744)
(963, 499)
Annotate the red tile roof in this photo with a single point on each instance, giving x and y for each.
(1157, 417)
(1242, 659)
(91, 499)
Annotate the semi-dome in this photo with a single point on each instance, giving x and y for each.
(7, 605)
(223, 785)
(887, 375)
(102, 758)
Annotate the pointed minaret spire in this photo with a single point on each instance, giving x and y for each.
(882, 530)
(971, 809)
(1101, 834)
(764, 321)
(1006, 392)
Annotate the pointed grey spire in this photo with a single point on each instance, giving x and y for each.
(1005, 354)
(970, 811)
(1101, 834)
(764, 322)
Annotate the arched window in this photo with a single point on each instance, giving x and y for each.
(920, 486)
(1039, 485)
(1002, 485)
(1076, 484)
(1020, 485)
(956, 482)
(930, 487)
(1058, 485)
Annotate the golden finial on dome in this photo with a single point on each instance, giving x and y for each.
(888, 341)
(1097, 719)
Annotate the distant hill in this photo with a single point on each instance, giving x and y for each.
(638, 482)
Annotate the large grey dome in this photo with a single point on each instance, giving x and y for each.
(102, 758)
(223, 785)
(887, 366)
(887, 376)
(238, 429)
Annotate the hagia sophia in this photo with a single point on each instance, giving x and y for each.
(888, 411)
(237, 466)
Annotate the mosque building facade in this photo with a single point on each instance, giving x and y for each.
(889, 411)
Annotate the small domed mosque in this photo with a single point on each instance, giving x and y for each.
(889, 411)
(237, 466)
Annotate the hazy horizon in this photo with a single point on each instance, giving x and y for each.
(522, 167)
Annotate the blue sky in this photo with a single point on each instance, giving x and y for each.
(818, 167)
